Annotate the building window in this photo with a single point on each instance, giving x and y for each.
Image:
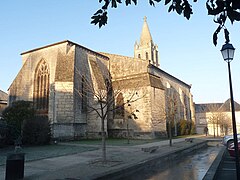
(146, 55)
(41, 88)
(139, 56)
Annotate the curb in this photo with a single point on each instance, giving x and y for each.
(155, 161)
(211, 173)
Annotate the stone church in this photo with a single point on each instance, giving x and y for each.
(53, 78)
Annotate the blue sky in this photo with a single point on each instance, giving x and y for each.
(185, 47)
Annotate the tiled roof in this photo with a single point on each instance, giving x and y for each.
(210, 107)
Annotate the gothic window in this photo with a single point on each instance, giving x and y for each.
(146, 55)
(120, 106)
(139, 56)
(84, 94)
(41, 88)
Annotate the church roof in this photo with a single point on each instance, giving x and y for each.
(145, 35)
(154, 70)
(66, 41)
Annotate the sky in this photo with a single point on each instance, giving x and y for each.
(185, 46)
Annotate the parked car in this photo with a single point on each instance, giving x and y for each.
(228, 139)
(231, 149)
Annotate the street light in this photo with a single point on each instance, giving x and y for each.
(228, 54)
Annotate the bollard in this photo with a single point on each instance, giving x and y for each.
(15, 166)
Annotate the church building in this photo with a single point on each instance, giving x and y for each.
(54, 78)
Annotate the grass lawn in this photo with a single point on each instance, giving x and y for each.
(42, 152)
(55, 150)
(116, 142)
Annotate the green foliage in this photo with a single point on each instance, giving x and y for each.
(185, 127)
(15, 115)
(182, 127)
(193, 128)
(182, 7)
(36, 131)
(223, 10)
(3, 133)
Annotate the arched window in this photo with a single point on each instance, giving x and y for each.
(139, 56)
(41, 88)
(146, 55)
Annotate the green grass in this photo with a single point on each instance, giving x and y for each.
(55, 150)
(116, 142)
(42, 152)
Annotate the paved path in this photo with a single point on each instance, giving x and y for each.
(227, 168)
(87, 165)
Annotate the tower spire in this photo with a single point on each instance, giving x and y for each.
(146, 49)
(145, 35)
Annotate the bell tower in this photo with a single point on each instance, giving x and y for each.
(145, 48)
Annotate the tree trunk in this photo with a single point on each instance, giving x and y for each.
(127, 132)
(175, 128)
(214, 135)
(103, 142)
(170, 133)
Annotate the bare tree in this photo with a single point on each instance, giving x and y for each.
(171, 111)
(218, 119)
(225, 124)
(213, 119)
(99, 94)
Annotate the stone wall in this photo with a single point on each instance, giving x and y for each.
(68, 131)
(158, 111)
(64, 102)
(21, 87)
(94, 68)
(23, 84)
(122, 66)
(186, 106)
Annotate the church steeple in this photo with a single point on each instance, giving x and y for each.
(146, 49)
(145, 35)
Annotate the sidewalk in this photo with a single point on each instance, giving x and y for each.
(87, 165)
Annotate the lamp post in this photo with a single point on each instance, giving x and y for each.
(228, 54)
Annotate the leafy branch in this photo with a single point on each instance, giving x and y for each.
(220, 9)
(100, 17)
(223, 10)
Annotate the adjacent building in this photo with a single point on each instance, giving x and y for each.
(3, 101)
(217, 117)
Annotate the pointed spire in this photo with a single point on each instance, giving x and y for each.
(145, 35)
